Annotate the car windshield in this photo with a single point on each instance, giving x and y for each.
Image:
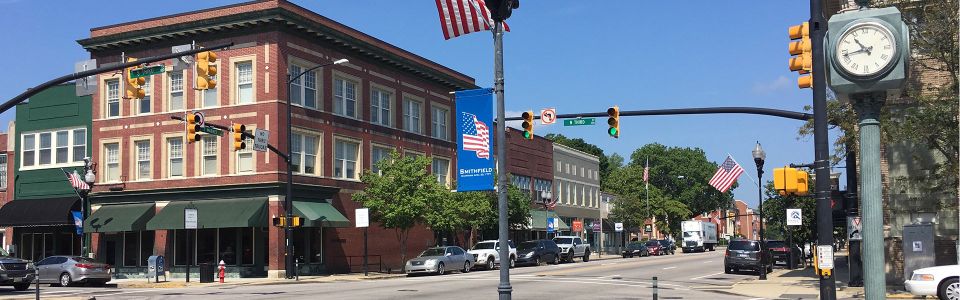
(691, 234)
(744, 246)
(653, 243)
(83, 260)
(634, 245)
(776, 244)
(563, 240)
(432, 252)
(482, 246)
(664, 242)
(527, 245)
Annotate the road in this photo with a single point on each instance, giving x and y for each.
(680, 276)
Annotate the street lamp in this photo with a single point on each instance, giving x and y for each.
(90, 178)
(288, 200)
(545, 197)
(758, 156)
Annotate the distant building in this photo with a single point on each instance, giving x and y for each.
(577, 177)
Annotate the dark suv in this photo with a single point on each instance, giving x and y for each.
(668, 246)
(538, 252)
(744, 254)
(779, 252)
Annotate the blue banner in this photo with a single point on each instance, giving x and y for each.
(475, 163)
(78, 221)
(551, 225)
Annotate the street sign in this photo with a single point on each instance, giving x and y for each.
(548, 116)
(596, 226)
(147, 71)
(260, 140)
(200, 118)
(580, 121)
(647, 228)
(794, 217)
(577, 226)
(551, 225)
(212, 131)
(854, 229)
(618, 227)
(189, 218)
(183, 62)
(825, 257)
(363, 217)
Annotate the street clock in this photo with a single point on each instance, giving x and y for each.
(867, 51)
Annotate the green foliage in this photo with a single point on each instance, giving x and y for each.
(632, 205)
(775, 211)
(667, 164)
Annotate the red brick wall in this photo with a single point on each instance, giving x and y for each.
(532, 158)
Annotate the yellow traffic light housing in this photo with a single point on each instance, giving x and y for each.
(192, 128)
(296, 221)
(237, 133)
(134, 87)
(613, 120)
(802, 47)
(279, 221)
(528, 125)
(785, 180)
(803, 183)
(205, 68)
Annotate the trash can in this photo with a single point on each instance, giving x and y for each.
(207, 271)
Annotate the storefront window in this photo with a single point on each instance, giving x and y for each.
(180, 243)
(26, 246)
(65, 243)
(228, 245)
(47, 245)
(206, 246)
(246, 242)
(316, 245)
(300, 245)
(131, 248)
(146, 246)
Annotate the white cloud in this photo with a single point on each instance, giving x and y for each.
(766, 88)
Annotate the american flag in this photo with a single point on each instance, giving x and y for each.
(552, 203)
(476, 135)
(76, 181)
(459, 17)
(726, 175)
(646, 172)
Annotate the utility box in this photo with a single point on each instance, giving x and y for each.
(155, 268)
(918, 250)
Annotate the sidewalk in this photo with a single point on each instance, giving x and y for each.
(805, 284)
(194, 282)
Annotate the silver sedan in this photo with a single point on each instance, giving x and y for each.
(438, 260)
(66, 270)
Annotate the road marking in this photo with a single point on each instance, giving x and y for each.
(668, 268)
(607, 264)
(701, 277)
(709, 261)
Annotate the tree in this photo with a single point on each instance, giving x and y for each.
(400, 195)
(682, 174)
(632, 206)
(582, 145)
(775, 215)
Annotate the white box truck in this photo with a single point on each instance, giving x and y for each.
(698, 236)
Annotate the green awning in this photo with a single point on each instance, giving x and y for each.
(538, 220)
(219, 213)
(320, 213)
(119, 217)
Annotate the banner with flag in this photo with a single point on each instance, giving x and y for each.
(76, 181)
(475, 166)
(726, 175)
(77, 221)
(460, 17)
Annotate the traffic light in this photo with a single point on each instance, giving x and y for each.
(501, 9)
(802, 48)
(803, 183)
(614, 121)
(206, 67)
(134, 86)
(192, 128)
(296, 221)
(785, 180)
(528, 125)
(237, 133)
(279, 221)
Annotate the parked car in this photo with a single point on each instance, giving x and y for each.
(744, 254)
(439, 260)
(66, 270)
(487, 253)
(668, 247)
(16, 272)
(538, 252)
(655, 247)
(940, 281)
(635, 249)
(572, 247)
(780, 253)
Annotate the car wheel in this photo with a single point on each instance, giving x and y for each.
(65, 279)
(440, 269)
(556, 260)
(570, 256)
(21, 286)
(624, 256)
(586, 256)
(727, 270)
(466, 267)
(489, 263)
(513, 262)
(949, 289)
(537, 262)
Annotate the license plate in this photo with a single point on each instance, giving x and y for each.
(744, 255)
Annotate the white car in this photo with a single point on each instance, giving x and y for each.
(940, 281)
(487, 254)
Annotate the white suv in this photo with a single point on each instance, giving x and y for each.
(487, 254)
(572, 247)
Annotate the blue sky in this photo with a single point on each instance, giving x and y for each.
(575, 56)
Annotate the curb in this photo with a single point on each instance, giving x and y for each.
(176, 285)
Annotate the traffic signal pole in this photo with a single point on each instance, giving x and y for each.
(503, 289)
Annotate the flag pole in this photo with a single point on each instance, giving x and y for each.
(646, 187)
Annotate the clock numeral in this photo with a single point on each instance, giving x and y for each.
(846, 41)
(876, 64)
(884, 57)
(854, 66)
(864, 31)
(846, 59)
(884, 38)
(844, 52)
(886, 47)
(866, 69)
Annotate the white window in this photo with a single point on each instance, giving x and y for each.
(380, 107)
(245, 156)
(439, 120)
(441, 169)
(376, 155)
(176, 92)
(411, 115)
(344, 97)
(113, 98)
(57, 148)
(112, 155)
(303, 90)
(29, 150)
(244, 82)
(305, 151)
(143, 105)
(46, 139)
(210, 155)
(559, 164)
(175, 156)
(3, 171)
(79, 144)
(143, 160)
(210, 96)
(345, 159)
(63, 147)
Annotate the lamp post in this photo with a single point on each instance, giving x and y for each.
(758, 156)
(90, 178)
(545, 197)
(288, 200)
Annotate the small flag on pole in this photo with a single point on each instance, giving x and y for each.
(76, 181)
(726, 175)
(459, 17)
(646, 171)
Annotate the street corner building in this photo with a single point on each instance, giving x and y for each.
(346, 118)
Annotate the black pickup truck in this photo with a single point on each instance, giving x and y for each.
(16, 272)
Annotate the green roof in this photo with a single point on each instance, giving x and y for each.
(219, 213)
(320, 213)
(119, 217)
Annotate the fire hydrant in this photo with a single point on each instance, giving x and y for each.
(223, 270)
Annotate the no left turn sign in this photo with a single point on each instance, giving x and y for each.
(548, 116)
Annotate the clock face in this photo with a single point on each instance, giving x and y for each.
(865, 49)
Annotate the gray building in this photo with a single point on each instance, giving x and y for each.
(576, 176)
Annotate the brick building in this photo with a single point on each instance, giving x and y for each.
(345, 118)
(530, 166)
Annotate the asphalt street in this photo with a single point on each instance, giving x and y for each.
(680, 276)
